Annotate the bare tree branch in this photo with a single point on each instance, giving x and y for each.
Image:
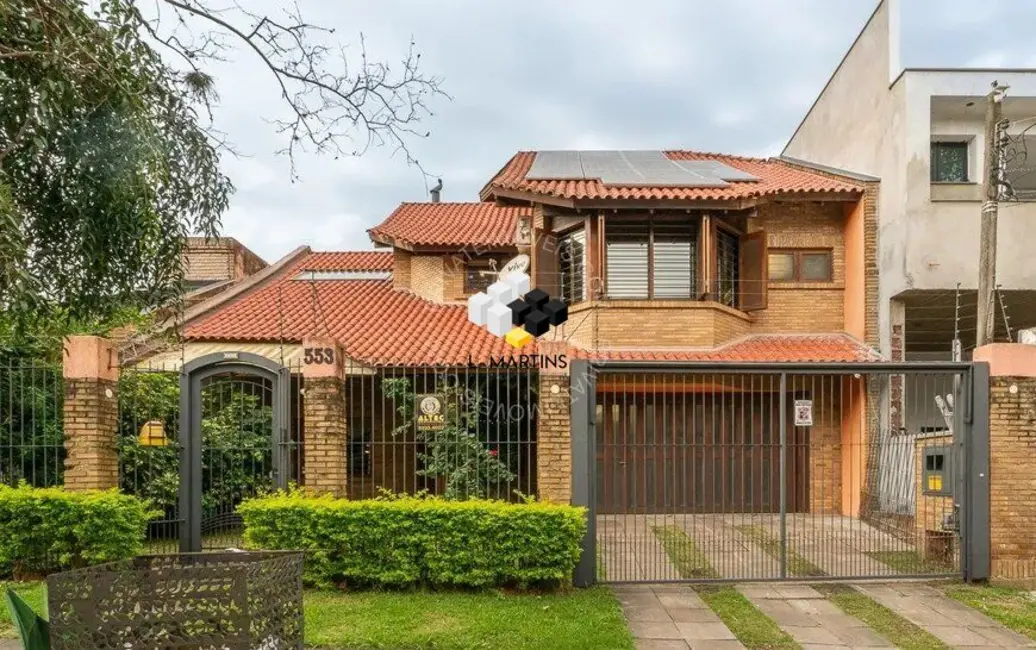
(335, 108)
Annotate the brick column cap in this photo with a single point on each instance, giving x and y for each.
(89, 357)
(1008, 359)
(315, 363)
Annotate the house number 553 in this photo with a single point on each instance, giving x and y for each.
(318, 355)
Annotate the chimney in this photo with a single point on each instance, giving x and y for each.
(436, 191)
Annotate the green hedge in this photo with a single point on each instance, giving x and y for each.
(420, 541)
(43, 530)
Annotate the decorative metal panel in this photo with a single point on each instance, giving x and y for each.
(225, 601)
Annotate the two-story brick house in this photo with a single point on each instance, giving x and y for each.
(688, 257)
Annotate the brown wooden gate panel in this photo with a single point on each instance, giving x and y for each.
(695, 452)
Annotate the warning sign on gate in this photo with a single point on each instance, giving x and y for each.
(803, 412)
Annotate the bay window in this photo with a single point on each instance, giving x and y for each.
(652, 259)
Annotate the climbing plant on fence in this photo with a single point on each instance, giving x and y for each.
(476, 451)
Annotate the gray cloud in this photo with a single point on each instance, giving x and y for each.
(733, 77)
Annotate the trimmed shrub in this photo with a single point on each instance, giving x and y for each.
(43, 530)
(420, 541)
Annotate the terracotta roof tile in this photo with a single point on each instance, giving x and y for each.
(450, 224)
(776, 177)
(795, 348)
(375, 323)
(348, 261)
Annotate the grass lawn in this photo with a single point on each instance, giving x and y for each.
(31, 592)
(752, 628)
(1015, 608)
(579, 618)
(901, 632)
(798, 565)
(910, 562)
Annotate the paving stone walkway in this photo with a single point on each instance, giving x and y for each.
(953, 623)
(672, 617)
(809, 618)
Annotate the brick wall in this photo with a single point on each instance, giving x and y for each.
(454, 271)
(1012, 454)
(91, 419)
(805, 311)
(427, 277)
(208, 263)
(663, 324)
(400, 268)
(554, 437)
(870, 261)
(326, 445)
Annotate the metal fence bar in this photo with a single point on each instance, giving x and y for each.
(31, 428)
(706, 472)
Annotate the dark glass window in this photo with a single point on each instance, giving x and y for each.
(800, 266)
(950, 162)
(728, 271)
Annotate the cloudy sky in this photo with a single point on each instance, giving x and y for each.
(733, 76)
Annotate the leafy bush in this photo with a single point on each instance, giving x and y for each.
(420, 541)
(48, 529)
(235, 427)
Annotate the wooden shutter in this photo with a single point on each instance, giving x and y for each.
(754, 275)
(547, 273)
(627, 246)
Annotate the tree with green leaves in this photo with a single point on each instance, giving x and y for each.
(107, 160)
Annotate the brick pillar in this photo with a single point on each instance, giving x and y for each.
(1012, 456)
(91, 413)
(325, 447)
(553, 427)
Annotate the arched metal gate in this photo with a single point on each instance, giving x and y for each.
(233, 434)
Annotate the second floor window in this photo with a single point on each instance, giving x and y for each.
(728, 268)
(572, 265)
(789, 265)
(949, 162)
(652, 259)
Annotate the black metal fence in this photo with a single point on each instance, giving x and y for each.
(32, 446)
(777, 472)
(457, 432)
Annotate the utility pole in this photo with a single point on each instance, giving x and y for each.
(990, 206)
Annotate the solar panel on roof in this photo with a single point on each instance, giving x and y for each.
(716, 169)
(633, 168)
(556, 165)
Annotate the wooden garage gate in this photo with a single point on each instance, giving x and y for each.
(695, 449)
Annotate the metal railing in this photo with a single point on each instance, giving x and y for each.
(457, 432)
(32, 445)
(712, 472)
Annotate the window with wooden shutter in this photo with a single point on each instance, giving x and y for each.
(572, 265)
(754, 274)
(627, 252)
(674, 272)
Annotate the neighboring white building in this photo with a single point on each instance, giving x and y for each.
(875, 118)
